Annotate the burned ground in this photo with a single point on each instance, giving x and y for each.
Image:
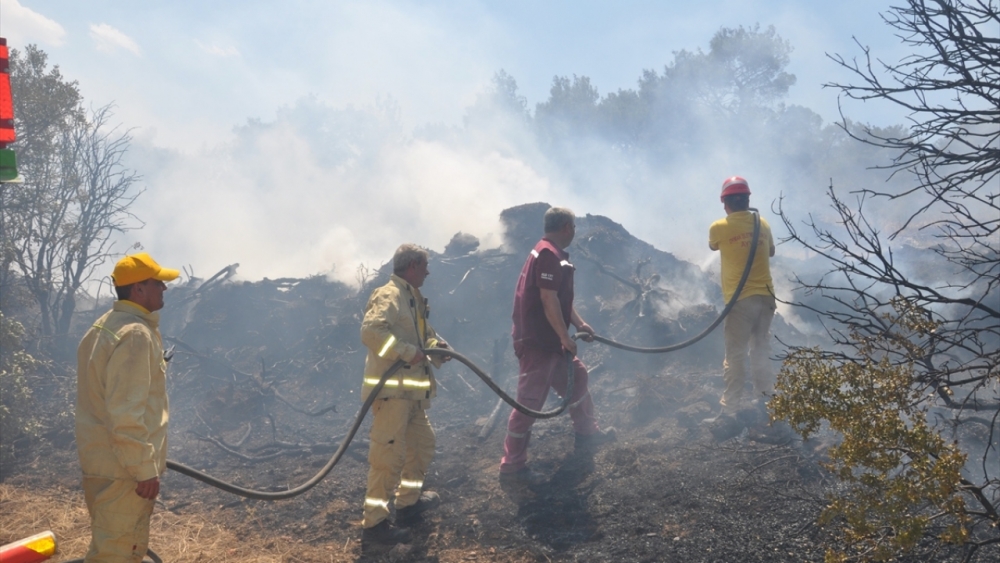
(257, 367)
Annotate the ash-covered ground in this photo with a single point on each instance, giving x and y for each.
(257, 366)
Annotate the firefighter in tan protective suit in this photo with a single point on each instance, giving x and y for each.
(395, 328)
(122, 412)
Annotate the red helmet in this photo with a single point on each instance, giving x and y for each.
(734, 185)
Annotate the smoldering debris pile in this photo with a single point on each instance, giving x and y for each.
(242, 347)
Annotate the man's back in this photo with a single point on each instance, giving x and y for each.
(547, 267)
(733, 236)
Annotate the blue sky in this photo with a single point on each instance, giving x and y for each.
(183, 74)
(189, 71)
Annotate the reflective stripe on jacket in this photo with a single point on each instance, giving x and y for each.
(121, 405)
(395, 327)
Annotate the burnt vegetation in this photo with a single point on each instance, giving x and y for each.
(890, 381)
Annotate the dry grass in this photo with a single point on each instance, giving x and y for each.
(175, 538)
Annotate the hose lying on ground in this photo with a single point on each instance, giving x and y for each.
(279, 495)
(358, 419)
(443, 352)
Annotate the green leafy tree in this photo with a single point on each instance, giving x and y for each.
(745, 69)
(736, 85)
(18, 418)
(501, 98)
(738, 81)
(77, 192)
(499, 118)
(46, 107)
(912, 381)
(572, 109)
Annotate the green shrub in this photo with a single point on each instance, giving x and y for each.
(18, 418)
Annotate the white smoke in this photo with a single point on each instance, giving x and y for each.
(321, 190)
(284, 201)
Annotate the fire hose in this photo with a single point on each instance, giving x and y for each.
(449, 353)
(280, 495)
(715, 323)
(446, 353)
(443, 352)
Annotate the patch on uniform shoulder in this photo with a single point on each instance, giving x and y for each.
(547, 277)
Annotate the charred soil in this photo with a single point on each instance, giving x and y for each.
(661, 492)
(265, 382)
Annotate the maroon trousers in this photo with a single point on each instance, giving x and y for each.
(540, 370)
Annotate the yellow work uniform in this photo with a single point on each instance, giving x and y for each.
(747, 327)
(121, 427)
(732, 237)
(401, 441)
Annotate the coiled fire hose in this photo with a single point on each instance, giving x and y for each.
(449, 353)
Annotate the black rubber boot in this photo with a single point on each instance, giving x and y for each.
(427, 501)
(386, 534)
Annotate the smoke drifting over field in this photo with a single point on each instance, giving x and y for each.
(322, 189)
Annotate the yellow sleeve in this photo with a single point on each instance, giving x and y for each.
(714, 235)
(770, 237)
(126, 394)
(381, 314)
(432, 337)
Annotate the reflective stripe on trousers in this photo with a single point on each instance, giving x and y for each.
(541, 370)
(400, 451)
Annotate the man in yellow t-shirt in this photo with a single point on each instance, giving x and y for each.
(748, 325)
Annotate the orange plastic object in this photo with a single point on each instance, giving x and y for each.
(38, 547)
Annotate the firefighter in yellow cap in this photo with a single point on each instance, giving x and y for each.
(121, 412)
(395, 327)
(748, 325)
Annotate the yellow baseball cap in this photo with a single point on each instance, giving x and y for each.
(140, 267)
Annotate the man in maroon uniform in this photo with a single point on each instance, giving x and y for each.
(543, 312)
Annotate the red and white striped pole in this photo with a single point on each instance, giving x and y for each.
(38, 547)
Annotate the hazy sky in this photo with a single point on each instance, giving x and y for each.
(186, 73)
